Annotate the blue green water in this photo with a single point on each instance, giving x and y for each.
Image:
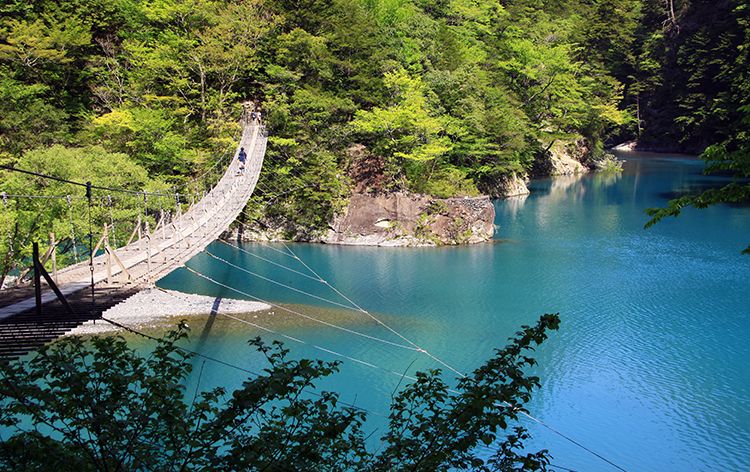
(651, 367)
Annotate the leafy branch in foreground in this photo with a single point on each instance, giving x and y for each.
(719, 160)
(731, 154)
(99, 405)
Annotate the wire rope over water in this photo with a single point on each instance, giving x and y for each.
(421, 350)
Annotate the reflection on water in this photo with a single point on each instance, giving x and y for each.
(515, 203)
(605, 179)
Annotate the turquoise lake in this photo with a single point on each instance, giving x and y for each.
(651, 366)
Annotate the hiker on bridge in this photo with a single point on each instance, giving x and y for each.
(242, 156)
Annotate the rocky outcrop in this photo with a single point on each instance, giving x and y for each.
(626, 146)
(393, 219)
(506, 186)
(513, 186)
(405, 219)
(562, 159)
(573, 158)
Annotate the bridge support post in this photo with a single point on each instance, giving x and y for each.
(53, 246)
(136, 232)
(45, 258)
(178, 223)
(126, 277)
(177, 236)
(37, 281)
(99, 244)
(105, 237)
(148, 255)
(140, 234)
(40, 272)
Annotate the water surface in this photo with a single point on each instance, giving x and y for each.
(650, 367)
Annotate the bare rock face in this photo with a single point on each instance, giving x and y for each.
(405, 219)
(505, 186)
(365, 169)
(563, 159)
(512, 186)
(626, 146)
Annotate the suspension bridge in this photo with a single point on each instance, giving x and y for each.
(84, 290)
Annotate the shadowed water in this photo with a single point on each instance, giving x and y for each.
(650, 367)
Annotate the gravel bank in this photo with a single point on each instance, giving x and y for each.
(151, 307)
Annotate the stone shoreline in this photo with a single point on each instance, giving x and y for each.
(152, 307)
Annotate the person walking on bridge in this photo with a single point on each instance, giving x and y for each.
(242, 156)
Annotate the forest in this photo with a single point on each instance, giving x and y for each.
(448, 97)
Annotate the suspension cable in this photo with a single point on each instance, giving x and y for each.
(225, 363)
(269, 261)
(87, 185)
(9, 195)
(374, 318)
(289, 287)
(297, 340)
(528, 415)
(298, 313)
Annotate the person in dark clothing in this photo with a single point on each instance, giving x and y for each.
(242, 156)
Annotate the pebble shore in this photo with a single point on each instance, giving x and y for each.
(155, 306)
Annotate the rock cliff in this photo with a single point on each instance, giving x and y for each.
(405, 219)
(506, 186)
(392, 219)
(573, 158)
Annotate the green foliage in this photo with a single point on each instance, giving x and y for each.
(146, 133)
(27, 120)
(719, 67)
(683, 73)
(447, 182)
(99, 405)
(31, 220)
(408, 129)
(452, 95)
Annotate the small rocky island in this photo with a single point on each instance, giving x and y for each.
(407, 219)
(377, 216)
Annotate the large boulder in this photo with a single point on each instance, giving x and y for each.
(407, 219)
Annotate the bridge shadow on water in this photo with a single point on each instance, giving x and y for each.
(206, 331)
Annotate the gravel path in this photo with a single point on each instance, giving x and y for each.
(154, 306)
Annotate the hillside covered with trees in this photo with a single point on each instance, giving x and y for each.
(449, 97)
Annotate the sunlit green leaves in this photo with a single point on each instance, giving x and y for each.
(29, 220)
(98, 404)
(408, 128)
